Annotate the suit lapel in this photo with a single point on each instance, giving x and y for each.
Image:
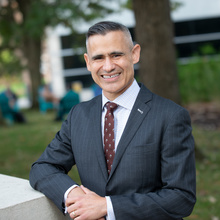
(96, 112)
(138, 113)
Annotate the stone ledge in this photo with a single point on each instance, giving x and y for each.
(20, 201)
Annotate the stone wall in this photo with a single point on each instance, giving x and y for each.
(19, 201)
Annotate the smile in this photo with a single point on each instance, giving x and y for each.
(108, 77)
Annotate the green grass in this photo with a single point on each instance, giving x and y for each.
(21, 145)
(208, 175)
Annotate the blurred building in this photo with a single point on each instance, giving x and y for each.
(196, 22)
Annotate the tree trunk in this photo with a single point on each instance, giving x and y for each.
(31, 47)
(154, 32)
(32, 51)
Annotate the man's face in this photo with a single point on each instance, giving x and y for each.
(110, 59)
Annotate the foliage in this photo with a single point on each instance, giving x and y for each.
(199, 79)
(19, 18)
(175, 4)
(9, 63)
(22, 19)
(207, 49)
(127, 4)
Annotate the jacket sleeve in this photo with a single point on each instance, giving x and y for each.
(49, 173)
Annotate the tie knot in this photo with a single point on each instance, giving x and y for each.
(111, 106)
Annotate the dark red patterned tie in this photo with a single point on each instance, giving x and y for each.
(109, 141)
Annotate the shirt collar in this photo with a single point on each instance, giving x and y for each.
(126, 99)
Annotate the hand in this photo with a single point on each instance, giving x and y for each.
(77, 191)
(83, 204)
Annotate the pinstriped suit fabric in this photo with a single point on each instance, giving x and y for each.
(153, 173)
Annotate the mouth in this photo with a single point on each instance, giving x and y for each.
(110, 76)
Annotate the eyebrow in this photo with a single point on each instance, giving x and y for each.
(117, 53)
(97, 56)
(112, 53)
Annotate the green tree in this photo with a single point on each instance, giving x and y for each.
(22, 25)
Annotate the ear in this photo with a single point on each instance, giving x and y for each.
(86, 57)
(136, 53)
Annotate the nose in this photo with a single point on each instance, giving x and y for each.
(108, 65)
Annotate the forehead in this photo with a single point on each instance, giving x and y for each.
(114, 40)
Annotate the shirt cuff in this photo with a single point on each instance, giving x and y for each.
(110, 211)
(66, 194)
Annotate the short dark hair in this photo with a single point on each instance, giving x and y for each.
(104, 27)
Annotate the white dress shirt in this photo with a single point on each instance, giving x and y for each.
(125, 104)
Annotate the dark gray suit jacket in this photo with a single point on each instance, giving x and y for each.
(153, 173)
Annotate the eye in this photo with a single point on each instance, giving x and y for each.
(97, 58)
(117, 55)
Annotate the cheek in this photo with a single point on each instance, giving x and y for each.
(126, 63)
(95, 68)
(95, 77)
(128, 68)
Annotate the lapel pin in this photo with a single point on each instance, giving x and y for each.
(140, 111)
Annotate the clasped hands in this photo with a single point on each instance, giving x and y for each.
(84, 204)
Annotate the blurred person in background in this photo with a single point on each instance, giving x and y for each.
(9, 106)
(70, 99)
(48, 95)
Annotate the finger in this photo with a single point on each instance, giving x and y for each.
(70, 201)
(74, 195)
(70, 209)
(73, 214)
(86, 190)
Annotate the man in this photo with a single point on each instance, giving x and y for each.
(153, 170)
